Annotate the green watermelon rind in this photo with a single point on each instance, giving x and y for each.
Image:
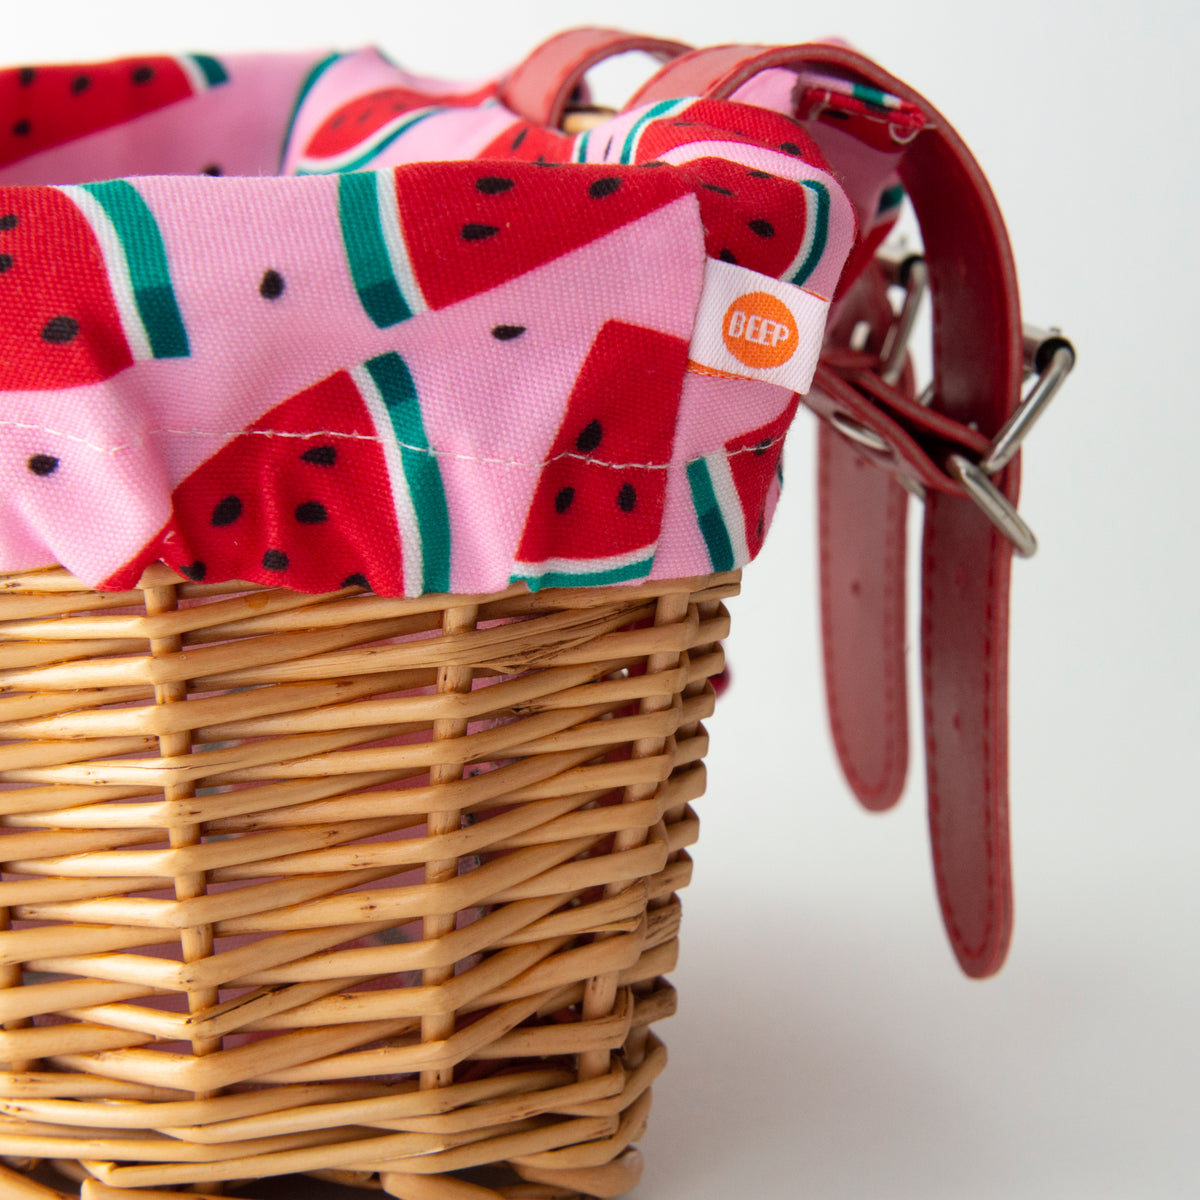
(585, 572)
(816, 233)
(375, 249)
(722, 525)
(136, 259)
(422, 515)
(314, 73)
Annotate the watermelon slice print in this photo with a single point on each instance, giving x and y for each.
(462, 228)
(703, 120)
(316, 511)
(49, 106)
(524, 142)
(753, 218)
(731, 488)
(358, 131)
(85, 286)
(598, 505)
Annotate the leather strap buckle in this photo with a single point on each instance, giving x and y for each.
(1049, 357)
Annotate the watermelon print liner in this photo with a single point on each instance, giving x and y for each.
(407, 295)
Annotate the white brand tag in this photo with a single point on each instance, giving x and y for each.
(750, 326)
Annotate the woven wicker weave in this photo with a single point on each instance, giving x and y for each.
(378, 890)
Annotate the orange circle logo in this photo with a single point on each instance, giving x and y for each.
(759, 330)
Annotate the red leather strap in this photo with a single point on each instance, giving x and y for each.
(538, 90)
(965, 562)
(694, 74)
(862, 539)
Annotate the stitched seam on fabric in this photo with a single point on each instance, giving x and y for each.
(365, 437)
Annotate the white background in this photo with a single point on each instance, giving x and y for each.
(826, 1046)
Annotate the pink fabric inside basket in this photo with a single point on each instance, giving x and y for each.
(431, 348)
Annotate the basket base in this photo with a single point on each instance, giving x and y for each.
(502, 1181)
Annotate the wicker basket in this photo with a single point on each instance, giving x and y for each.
(376, 890)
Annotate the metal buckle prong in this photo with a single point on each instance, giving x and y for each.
(994, 504)
(1050, 357)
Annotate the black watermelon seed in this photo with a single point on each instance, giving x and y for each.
(43, 464)
(271, 285)
(211, 169)
(715, 187)
(338, 121)
(607, 148)
(758, 532)
(227, 511)
(563, 500)
(760, 174)
(22, 128)
(626, 497)
(143, 74)
(476, 233)
(6, 262)
(493, 185)
(356, 580)
(604, 187)
(762, 447)
(196, 570)
(763, 228)
(28, 75)
(540, 161)
(506, 333)
(275, 560)
(516, 142)
(656, 162)
(79, 84)
(9, 221)
(311, 512)
(320, 456)
(727, 255)
(683, 123)
(60, 330)
(790, 148)
(589, 439)
(365, 115)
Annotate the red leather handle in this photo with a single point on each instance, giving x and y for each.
(538, 90)
(695, 73)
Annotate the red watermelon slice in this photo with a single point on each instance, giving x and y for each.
(524, 142)
(369, 121)
(280, 504)
(728, 120)
(61, 326)
(470, 226)
(48, 106)
(753, 464)
(597, 508)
